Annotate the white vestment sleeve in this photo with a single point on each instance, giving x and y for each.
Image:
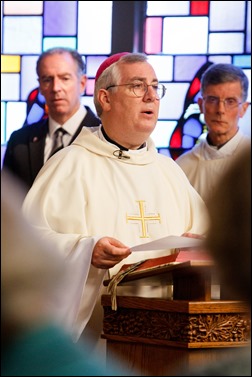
(85, 282)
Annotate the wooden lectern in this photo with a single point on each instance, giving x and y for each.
(160, 336)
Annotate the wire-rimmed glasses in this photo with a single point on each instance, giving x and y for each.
(141, 88)
(229, 103)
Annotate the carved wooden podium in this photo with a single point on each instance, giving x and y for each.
(159, 336)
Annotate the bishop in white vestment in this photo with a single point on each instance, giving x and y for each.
(85, 191)
(111, 190)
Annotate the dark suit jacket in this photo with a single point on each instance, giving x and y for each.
(24, 155)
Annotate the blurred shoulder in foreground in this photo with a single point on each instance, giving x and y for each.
(32, 276)
(229, 241)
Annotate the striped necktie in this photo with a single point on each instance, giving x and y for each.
(57, 141)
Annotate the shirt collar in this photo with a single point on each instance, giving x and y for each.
(71, 125)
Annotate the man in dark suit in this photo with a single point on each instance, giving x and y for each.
(62, 82)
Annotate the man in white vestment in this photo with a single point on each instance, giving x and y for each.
(111, 190)
(224, 90)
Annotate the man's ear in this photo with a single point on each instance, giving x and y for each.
(104, 99)
(83, 83)
(244, 108)
(200, 103)
(40, 89)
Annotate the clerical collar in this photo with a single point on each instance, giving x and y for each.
(115, 143)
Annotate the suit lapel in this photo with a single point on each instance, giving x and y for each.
(37, 146)
(90, 120)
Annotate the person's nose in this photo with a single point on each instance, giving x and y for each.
(56, 84)
(221, 106)
(150, 94)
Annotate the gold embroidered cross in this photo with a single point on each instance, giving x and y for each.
(143, 218)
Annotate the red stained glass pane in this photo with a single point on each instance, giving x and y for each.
(199, 8)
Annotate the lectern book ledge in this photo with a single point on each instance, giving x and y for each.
(178, 257)
(181, 260)
(176, 270)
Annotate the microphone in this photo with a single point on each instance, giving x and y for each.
(119, 154)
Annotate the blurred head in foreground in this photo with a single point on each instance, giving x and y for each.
(229, 238)
(31, 272)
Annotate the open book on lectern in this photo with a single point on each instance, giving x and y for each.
(189, 255)
(193, 251)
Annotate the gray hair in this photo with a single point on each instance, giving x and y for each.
(81, 66)
(112, 75)
(222, 73)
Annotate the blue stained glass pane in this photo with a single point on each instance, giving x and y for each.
(248, 34)
(41, 98)
(221, 59)
(35, 114)
(60, 18)
(229, 15)
(162, 133)
(10, 86)
(2, 28)
(193, 127)
(16, 113)
(163, 66)
(88, 101)
(164, 151)
(93, 13)
(226, 43)
(170, 106)
(29, 78)
(185, 35)
(187, 141)
(187, 66)
(168, 8)
(3, 122)
(22, 35)
(93, 63)
(50, 42)
(243, 61)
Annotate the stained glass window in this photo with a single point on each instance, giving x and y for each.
(181, 38)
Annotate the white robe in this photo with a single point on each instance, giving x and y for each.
(204, 164)
(85, 192)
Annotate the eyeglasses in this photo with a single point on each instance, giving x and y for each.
(141, 88)
(229, 103)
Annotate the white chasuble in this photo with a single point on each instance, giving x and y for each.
(204, 164)
(85, 192)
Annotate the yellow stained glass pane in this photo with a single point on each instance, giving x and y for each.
(10, 63)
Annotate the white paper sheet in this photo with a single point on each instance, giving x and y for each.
(169, 242)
